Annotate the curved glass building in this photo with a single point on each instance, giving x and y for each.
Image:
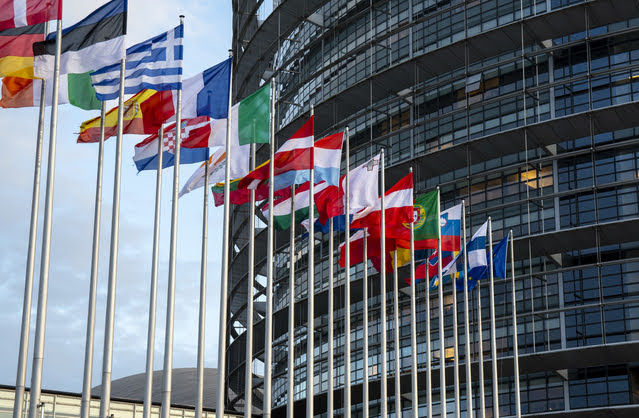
(527, 110)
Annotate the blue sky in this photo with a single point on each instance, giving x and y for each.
(208, 33)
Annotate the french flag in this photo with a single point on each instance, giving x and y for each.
(146, 152)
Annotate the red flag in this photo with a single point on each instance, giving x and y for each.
(373, 248)
(17, 13)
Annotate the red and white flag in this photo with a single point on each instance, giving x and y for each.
(398, 205)
(17, 13)
(373, 248)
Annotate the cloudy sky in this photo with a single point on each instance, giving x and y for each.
(208, 35)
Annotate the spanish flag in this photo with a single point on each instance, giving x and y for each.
(144, 113)
(16, 50)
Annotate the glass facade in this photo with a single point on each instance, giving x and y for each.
(526, 110)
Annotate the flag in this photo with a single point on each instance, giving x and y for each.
(481, 273)
(75, 89)
(94, 42)
(339, 223)
(425, 224)
(154, 64)
(17, 13)
(430, 268)
(292, 162)
(144, 113)
(327, 158)
(450, 222)
(207, 93)
(237, 196)
(16, 50)
(356, 242)
(146, 152)
(476, 256)
(398, 206)
(282, 208)
(217, 163)
(253, 117)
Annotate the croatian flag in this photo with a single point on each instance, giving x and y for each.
(154, 64)
(146, 152)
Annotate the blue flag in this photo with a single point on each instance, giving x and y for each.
(499, 267)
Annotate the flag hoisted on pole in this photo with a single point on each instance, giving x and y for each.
(88, 353)
(268, 321)
(482, 389)
(347, 283)
(365, 395)
(38, 350)
(153, 292)
(310, 325)
(167, 375)
(493, 337)
(31, 253)
(467, 362)
(331, 319)
(291, 309)
(413, 324)
(440, 304)
(382, 276)
(398, 354)
(248, 378)
(515, 342)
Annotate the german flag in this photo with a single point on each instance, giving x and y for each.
(16, 50)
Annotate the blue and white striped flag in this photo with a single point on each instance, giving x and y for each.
(153, 64)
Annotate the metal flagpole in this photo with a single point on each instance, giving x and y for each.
(167, 374)
(43, 291)
(347, 281)
(365, 395)
(107, 356)
(310, 326)
(85, 406)
(429, 374)
(248, 391)
(153, 293)
(456, 349)
(467, 362)
(442, 338)
(515, 342)
(25, 328)
(199, 402)
(493, 339)
(291, 311)
(413, 324)
(482, 389)
(268, 321)
(224, 276)
(384, 390)
(331, 320)
(398, 393)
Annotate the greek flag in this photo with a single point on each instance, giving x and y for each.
(153, 64)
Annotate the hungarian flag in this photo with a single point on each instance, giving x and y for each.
(144, 113)
(18, 13)
(398, 206)
(75, 89)
(16, 50)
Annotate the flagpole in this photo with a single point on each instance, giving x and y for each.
(467, 363)
(482, 389)
(310, 326)
(515, 341)
(347, 282)
(493, 339)
(456, 348)
(291, 311)
(153, 293)
(268, 321)
(365, 395)
(85, 406)
(331, 320)
(167, 374)
(41, 318)
(107, 357)
(413, 323)
(248, 382)
(199, 402)
(221, 357)
(384, 390)
(398, 393)
(442, 338)
(429, 374)
(25, 328)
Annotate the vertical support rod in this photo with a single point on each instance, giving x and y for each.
(493, 339)
(331, 319)
(268, 321)
(224, 275)
(515, 341)
(398, 350)
(21, 375)
(43, 291)
(365, 395)
(429, 370)
(85, 405)
(413, 324)
(153, 293)
(290, 412)
(442, 337)
(248, 388)
(482, 387)
(310, 326)
(467, 362)
(456, 348)
(382, 282)
(107, 357)
(199, 399)
(347, 283)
